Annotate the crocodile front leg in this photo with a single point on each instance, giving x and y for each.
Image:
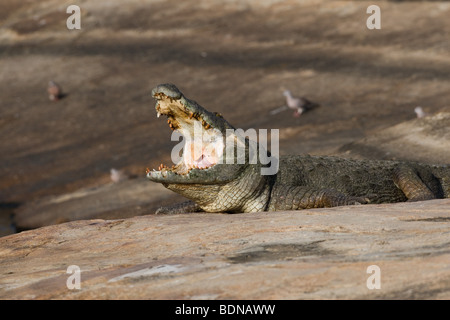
(183, 207)
(300, 197)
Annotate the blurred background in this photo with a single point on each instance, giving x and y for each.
(84, 154)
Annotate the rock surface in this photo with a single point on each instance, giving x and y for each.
(310, 254)
(233, 57)
(423, 140)
(110, 201)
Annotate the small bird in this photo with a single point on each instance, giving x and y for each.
(118, 175)
(54, 91)
(300, 104)
(419, 112)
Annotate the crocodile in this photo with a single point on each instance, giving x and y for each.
(301, 181)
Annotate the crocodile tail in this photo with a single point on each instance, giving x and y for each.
(443, 174)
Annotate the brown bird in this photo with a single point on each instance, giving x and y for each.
(54, 91)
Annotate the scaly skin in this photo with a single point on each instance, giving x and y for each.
(301, 182)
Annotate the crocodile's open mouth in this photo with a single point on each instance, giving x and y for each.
(203, 142)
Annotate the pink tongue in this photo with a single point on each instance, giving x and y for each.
(202, 162)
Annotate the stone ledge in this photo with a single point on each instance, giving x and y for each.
(309, 254)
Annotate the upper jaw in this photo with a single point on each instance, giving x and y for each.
(171, 102)
(186, 116)
(167, 89)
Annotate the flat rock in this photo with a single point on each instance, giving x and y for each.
(309, 254)
(124, 199)
(425, 140)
